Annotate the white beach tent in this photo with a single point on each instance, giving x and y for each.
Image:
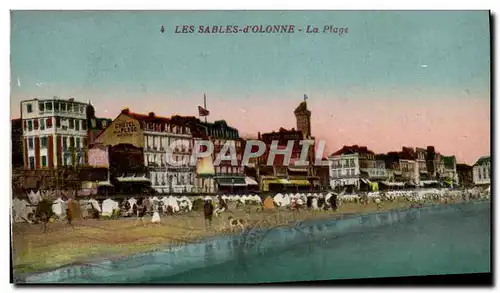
(95, 205)
(108, 206)
(20, 210)
(132, 202)
(34, 197)
(172, 201)
(282, 200)
(59, 208)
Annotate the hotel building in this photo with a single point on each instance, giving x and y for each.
(54, 133)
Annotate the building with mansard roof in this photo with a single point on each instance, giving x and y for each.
(138, 151)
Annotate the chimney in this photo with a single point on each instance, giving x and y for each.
(125, 111)
(151, 114)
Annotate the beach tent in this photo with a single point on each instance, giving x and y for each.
(244, 199)
(327, 197)
(95, 205)
(132, 202)
(255, 198)
(59, 208)
(268, 203)
(108, 206)
(185, 202)
(34, 197)
(314, 203)
(20, 209)
(282, 200)
(172, 201)
(85, 206)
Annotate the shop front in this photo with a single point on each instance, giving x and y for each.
(231, 184)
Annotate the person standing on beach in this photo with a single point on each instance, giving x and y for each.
(208, 211)
(69, 211)
(333, 202)
(141, 210)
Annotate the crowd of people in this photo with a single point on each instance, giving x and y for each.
(38, 208)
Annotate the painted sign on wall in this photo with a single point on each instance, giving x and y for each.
(123, 130)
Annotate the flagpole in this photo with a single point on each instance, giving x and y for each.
(205, 105)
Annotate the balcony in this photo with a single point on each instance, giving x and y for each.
(343, 176)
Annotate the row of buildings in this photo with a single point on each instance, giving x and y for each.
(57, 140)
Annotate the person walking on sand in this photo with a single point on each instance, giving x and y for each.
(208, 211)
(69, 210)
(221, 207)
(141, 211)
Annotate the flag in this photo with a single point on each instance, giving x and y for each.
(203, 112)
(305, 97)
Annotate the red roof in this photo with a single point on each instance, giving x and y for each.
(151, 117)
(354, 149)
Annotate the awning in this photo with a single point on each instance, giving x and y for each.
(298, 169)
(284, 181)
(393, 183)
(250, 181)
(365, 181)
(231, 181)
(133, 179)
(300, 182)
(104, 183)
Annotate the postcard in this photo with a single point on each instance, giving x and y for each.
(251, 147)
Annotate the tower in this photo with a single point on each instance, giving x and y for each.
(303, 117)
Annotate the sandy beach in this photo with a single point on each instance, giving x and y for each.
(94, 239)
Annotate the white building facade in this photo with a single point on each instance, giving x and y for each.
(344, 171)
(166, 176)
(54, 133)
(481, 171)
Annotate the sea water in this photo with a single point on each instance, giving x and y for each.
(447, 239)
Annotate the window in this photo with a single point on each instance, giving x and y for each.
(489, 173)
(30, 125)
(58, 122)
(29, 108)
(48, 106)
(56, 106)
(42, 124)
(41, 106)
(78, 143)
(71, 123)
(32, 162)
(44, 161)
(30, 143)
(71, 143)
(43, 142)
(64, 143)
(35, 124)
(84, 125)
(77, 124)
(63, 107)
